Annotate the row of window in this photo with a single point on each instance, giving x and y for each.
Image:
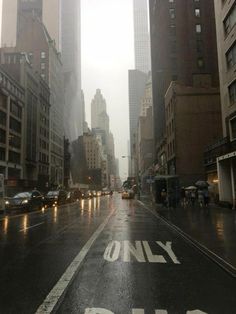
(230, 20)
(10, 86)
(197, 13)
(171, 149)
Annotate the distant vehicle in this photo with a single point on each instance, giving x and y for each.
(88, 194)
(70, 197)
(55, 197)
(99, 193)
(128, 194)
(25, 200)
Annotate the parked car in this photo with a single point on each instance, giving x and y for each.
(128, 194)
(55, 197)
(25, 200)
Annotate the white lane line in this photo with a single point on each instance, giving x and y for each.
(55, 296)
(24, 229)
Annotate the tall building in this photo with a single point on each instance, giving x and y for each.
(98, 105)
(220, 158)
(183, 44)
(71, 59)
(34, 40)
(141, 36)
(36, 119)
(9, 23)
(12, 103)
(138, 76)
(64, 31)
(12, 10)
(137, 81)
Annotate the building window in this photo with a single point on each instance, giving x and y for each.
(172, 13)
(15, 125)
(15, 109)
(230, 20)
(198, 28)
(42, 66)
(2, 154)
(14, 157)
(200, 63)
(43, 55)
(231, 56)
(232, 93)
(233, 128)
(2, 136)
(197, 13)
(199, 45)
(3, 118)
(173, 29)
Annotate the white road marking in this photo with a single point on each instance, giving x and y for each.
(97, 311)
(137, 251)
(55, 295)
(94, 310)
(30, 227)
(169, 251)
(112, 251)
(151, 257)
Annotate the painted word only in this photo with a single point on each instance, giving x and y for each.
(140, 252)
(134, 311)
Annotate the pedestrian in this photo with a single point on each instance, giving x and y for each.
(164, 197)
(183, 197)
(193, 197)
(201, 197)
(206, 197)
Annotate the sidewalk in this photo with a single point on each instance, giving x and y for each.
(214, 228)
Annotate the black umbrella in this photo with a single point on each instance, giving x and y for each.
(202, 184)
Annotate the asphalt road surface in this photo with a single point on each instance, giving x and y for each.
(106, 256)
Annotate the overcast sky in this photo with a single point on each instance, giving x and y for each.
(107, 54)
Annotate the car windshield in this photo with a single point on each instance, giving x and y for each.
(53, 193)
(23, 195)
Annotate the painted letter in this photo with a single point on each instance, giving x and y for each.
(137, 251)
(161, 312)
(196, 312)
(112, 251)
(152, 258)
(137, 311)
(94, 310)
(169, 251)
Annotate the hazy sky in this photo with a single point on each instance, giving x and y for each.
(107, 54)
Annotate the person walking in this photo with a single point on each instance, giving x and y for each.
(201, 197)
(193, 197)
(206, 197)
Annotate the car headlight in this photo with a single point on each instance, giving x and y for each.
(7, 203)
(25, 202)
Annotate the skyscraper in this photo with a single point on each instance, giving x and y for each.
(141, 36)
(183, 45)
(138, 76)
(71, 59)
(64, 30)
(98, 105)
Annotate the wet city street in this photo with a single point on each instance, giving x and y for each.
(103, 256)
